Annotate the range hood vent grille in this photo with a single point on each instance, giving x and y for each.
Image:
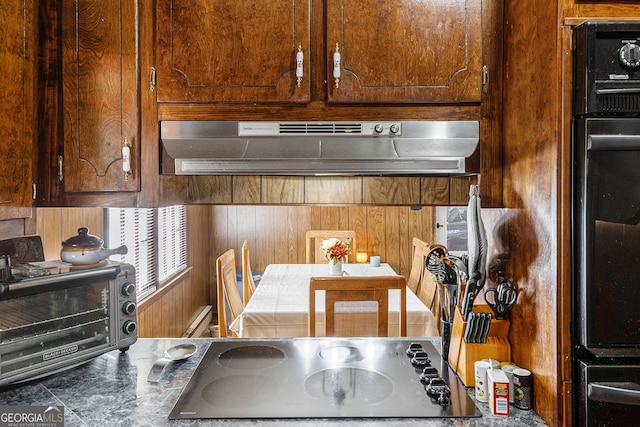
(303, 128)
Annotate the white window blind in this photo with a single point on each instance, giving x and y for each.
(156, 239)
(172, 241)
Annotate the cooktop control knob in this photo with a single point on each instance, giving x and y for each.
(438, 390)
(420, 359)
(394, 128)
(428, 374)
(629, 55)
(128, 289)
(414, 347)
(378, 128)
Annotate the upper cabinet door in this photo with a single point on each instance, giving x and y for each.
(231, 50)
(425, 51)
(17, 118)
(100, 95)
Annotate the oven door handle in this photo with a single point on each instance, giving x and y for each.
(618, 90)
(613, 142)
(623, 393)
(57, 281)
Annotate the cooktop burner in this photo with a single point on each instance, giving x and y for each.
(323, 378)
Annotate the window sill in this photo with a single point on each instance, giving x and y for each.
(149, 300)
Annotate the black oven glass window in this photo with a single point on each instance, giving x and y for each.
(49, 321)
(613, 217)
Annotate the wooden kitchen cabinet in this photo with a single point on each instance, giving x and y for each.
(99, 95)
(17, 113)
(404, 51)
(399, 51)
(229, 50)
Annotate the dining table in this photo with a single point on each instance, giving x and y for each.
(279, 307)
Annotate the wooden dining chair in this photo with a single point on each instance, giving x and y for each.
(358, 289)
(418, 266)
(314, 238)
(248, 283)
(428, 291)
(228, 293)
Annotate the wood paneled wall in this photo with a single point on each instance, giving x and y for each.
(57, 224)
(532, 63)
(276, 234)
(535, 227)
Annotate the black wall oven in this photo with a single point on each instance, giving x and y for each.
(606, 224)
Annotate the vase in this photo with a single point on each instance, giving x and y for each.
(335, 268)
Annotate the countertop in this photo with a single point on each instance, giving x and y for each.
(112, 390)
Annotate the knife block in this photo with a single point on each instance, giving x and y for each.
(463, 355)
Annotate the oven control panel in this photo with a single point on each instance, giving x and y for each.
(606, 68)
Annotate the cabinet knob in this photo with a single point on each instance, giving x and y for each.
(336, 66)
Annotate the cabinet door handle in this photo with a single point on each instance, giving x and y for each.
(336, 66)
(60, 168)
(126, 158)
(299, 64)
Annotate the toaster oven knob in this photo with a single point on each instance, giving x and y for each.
(129, 327)
(128, 289)
(128, 308)
(630, 55)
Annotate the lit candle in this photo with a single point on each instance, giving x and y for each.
(361, 257)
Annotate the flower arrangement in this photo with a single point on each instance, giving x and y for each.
(336, 250)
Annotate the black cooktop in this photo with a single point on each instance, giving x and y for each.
(323, 378)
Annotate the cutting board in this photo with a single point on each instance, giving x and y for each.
(23, 249)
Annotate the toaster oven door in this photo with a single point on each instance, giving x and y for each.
(49, 328)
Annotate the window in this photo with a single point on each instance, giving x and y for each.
(451, 229)
(172, 256)
(156, 239)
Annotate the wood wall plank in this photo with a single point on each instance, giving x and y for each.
(246, 189)
(383, 190)
(435, 189)
(209, 189)
(280, 189)
(333, 190)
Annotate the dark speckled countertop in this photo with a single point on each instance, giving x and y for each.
(112, 390)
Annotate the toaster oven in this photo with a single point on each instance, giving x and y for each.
(50, 323)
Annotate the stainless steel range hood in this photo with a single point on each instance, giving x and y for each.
(319, 148)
